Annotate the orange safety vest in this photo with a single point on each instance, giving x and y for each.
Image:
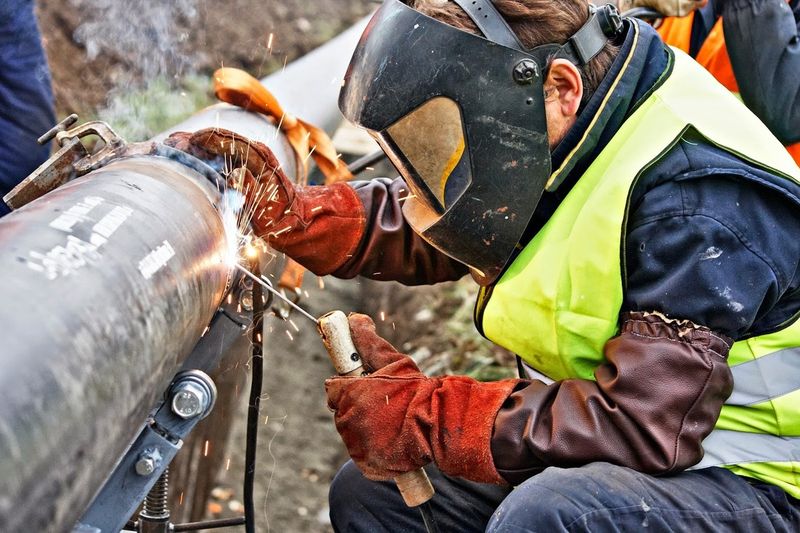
(713, 55)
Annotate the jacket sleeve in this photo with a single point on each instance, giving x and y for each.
(389, 249)
(762, 41)
(654, 400)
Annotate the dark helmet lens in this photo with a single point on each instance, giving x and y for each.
(431, 140)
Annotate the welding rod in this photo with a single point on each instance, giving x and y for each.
(264, 282)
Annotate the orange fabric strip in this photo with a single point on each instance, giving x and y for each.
(239, 88)
(677, 32)
(794, 151)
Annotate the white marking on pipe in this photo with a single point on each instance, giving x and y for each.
(156, 260)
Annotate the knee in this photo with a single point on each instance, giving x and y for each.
(343, 495)
(559, 497)
(358, 504)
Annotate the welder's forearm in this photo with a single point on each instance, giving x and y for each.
(761, 38)
(653, 402)
(389, 249)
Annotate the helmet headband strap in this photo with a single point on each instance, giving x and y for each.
(604, 23)
(491, 23)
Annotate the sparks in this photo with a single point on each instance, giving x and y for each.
(269, 43)
(250, 251)
(290, 335)
(205, 449)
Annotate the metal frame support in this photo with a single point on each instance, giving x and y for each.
(152, 451)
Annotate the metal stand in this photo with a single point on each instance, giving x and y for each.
(142, 474)
(142, 470)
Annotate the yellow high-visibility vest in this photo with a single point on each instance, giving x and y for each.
(559, 301)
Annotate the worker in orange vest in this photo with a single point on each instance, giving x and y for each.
(751, 47)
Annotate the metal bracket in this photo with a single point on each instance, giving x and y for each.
(69, 162)
(161, 437)
(151, 452)
(112, 144)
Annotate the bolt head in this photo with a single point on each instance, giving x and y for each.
(525, 71)
(145, 466)
(189, 400)
(246, 299)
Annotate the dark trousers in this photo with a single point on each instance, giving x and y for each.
(598, 497)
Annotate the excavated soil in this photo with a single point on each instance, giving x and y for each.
(94, 45)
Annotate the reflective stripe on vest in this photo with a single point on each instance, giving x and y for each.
(765, 378)
(559, 301)
(713, 55)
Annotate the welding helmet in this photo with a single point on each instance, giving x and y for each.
(462, 118)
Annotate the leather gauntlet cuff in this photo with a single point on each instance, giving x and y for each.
(656, 325)
(654, 399)
(461, 441)
(321, 228)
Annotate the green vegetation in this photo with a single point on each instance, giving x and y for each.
(140, 113)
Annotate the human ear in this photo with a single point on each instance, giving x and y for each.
(563, 88)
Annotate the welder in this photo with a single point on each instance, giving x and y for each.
(751, 47)
(26, 97)
(632, 227)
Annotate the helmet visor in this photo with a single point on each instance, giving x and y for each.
(435, 156)
(468, 137)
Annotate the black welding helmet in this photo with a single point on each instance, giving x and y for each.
(462, 118)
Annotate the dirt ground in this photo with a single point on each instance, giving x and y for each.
(94, 45)
(299, 450)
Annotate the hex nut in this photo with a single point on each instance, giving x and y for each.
(145, 466)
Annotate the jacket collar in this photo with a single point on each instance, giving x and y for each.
(636, 71)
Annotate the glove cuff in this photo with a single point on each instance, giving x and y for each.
(466, 411)
(322, 228)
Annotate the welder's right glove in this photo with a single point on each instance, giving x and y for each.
(397, 420)
(317, 226)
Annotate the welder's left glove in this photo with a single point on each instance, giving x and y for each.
(397, 420)
(318, 226)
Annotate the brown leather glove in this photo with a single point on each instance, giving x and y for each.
(320, 227)
(397, 420)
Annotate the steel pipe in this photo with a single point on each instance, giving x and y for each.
(108, 283)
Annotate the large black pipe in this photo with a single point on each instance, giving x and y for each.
(107, 284)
